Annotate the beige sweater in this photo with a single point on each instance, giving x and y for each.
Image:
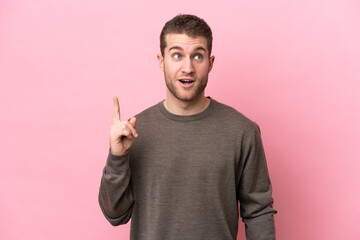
(184, 176)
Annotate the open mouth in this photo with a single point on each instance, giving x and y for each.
(186, 81)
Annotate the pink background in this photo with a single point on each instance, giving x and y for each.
(291, 66)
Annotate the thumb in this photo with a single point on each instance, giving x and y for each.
(133, 121)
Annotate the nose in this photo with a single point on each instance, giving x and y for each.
(187, 67)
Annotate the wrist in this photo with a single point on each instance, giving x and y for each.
(117, 153)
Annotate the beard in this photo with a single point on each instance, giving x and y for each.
(195, 91)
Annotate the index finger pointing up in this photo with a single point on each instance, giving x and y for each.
(116, 109)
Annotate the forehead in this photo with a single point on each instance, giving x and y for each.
(185, 42)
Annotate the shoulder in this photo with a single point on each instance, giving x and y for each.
(149, 111)
(235, 125)
(232, 117)
(149, 115)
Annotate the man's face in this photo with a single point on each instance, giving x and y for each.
(186, 65)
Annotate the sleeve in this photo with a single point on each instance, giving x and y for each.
(115, 195)
(254, 192)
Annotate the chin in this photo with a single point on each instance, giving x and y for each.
(188, 95)
(188, 98)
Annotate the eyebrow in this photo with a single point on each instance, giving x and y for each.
(180, 48)
(175, 48)
(200, 48)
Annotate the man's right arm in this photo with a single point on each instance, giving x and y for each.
(115, 195)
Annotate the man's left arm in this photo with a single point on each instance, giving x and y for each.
(254, 192)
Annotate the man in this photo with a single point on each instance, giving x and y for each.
(179, 169)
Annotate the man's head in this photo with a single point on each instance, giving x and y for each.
(185, 57)
(190, 25)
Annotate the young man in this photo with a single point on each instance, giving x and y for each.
(179, 169)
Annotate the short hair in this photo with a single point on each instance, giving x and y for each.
(191, 25)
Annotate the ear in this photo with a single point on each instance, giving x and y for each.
(211, 62)
(160, 59)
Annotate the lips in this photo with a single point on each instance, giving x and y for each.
(186, 82)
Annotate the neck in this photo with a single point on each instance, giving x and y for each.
(179, 107)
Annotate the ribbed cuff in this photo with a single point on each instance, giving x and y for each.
(117, 164)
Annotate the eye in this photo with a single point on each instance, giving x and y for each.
(177, 56)
(198, 57)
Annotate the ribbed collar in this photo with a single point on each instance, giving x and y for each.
(187, 118)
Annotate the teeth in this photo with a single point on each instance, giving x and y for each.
(186, 80)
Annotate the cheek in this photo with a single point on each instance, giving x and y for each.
(203, 69)
(171, 69)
